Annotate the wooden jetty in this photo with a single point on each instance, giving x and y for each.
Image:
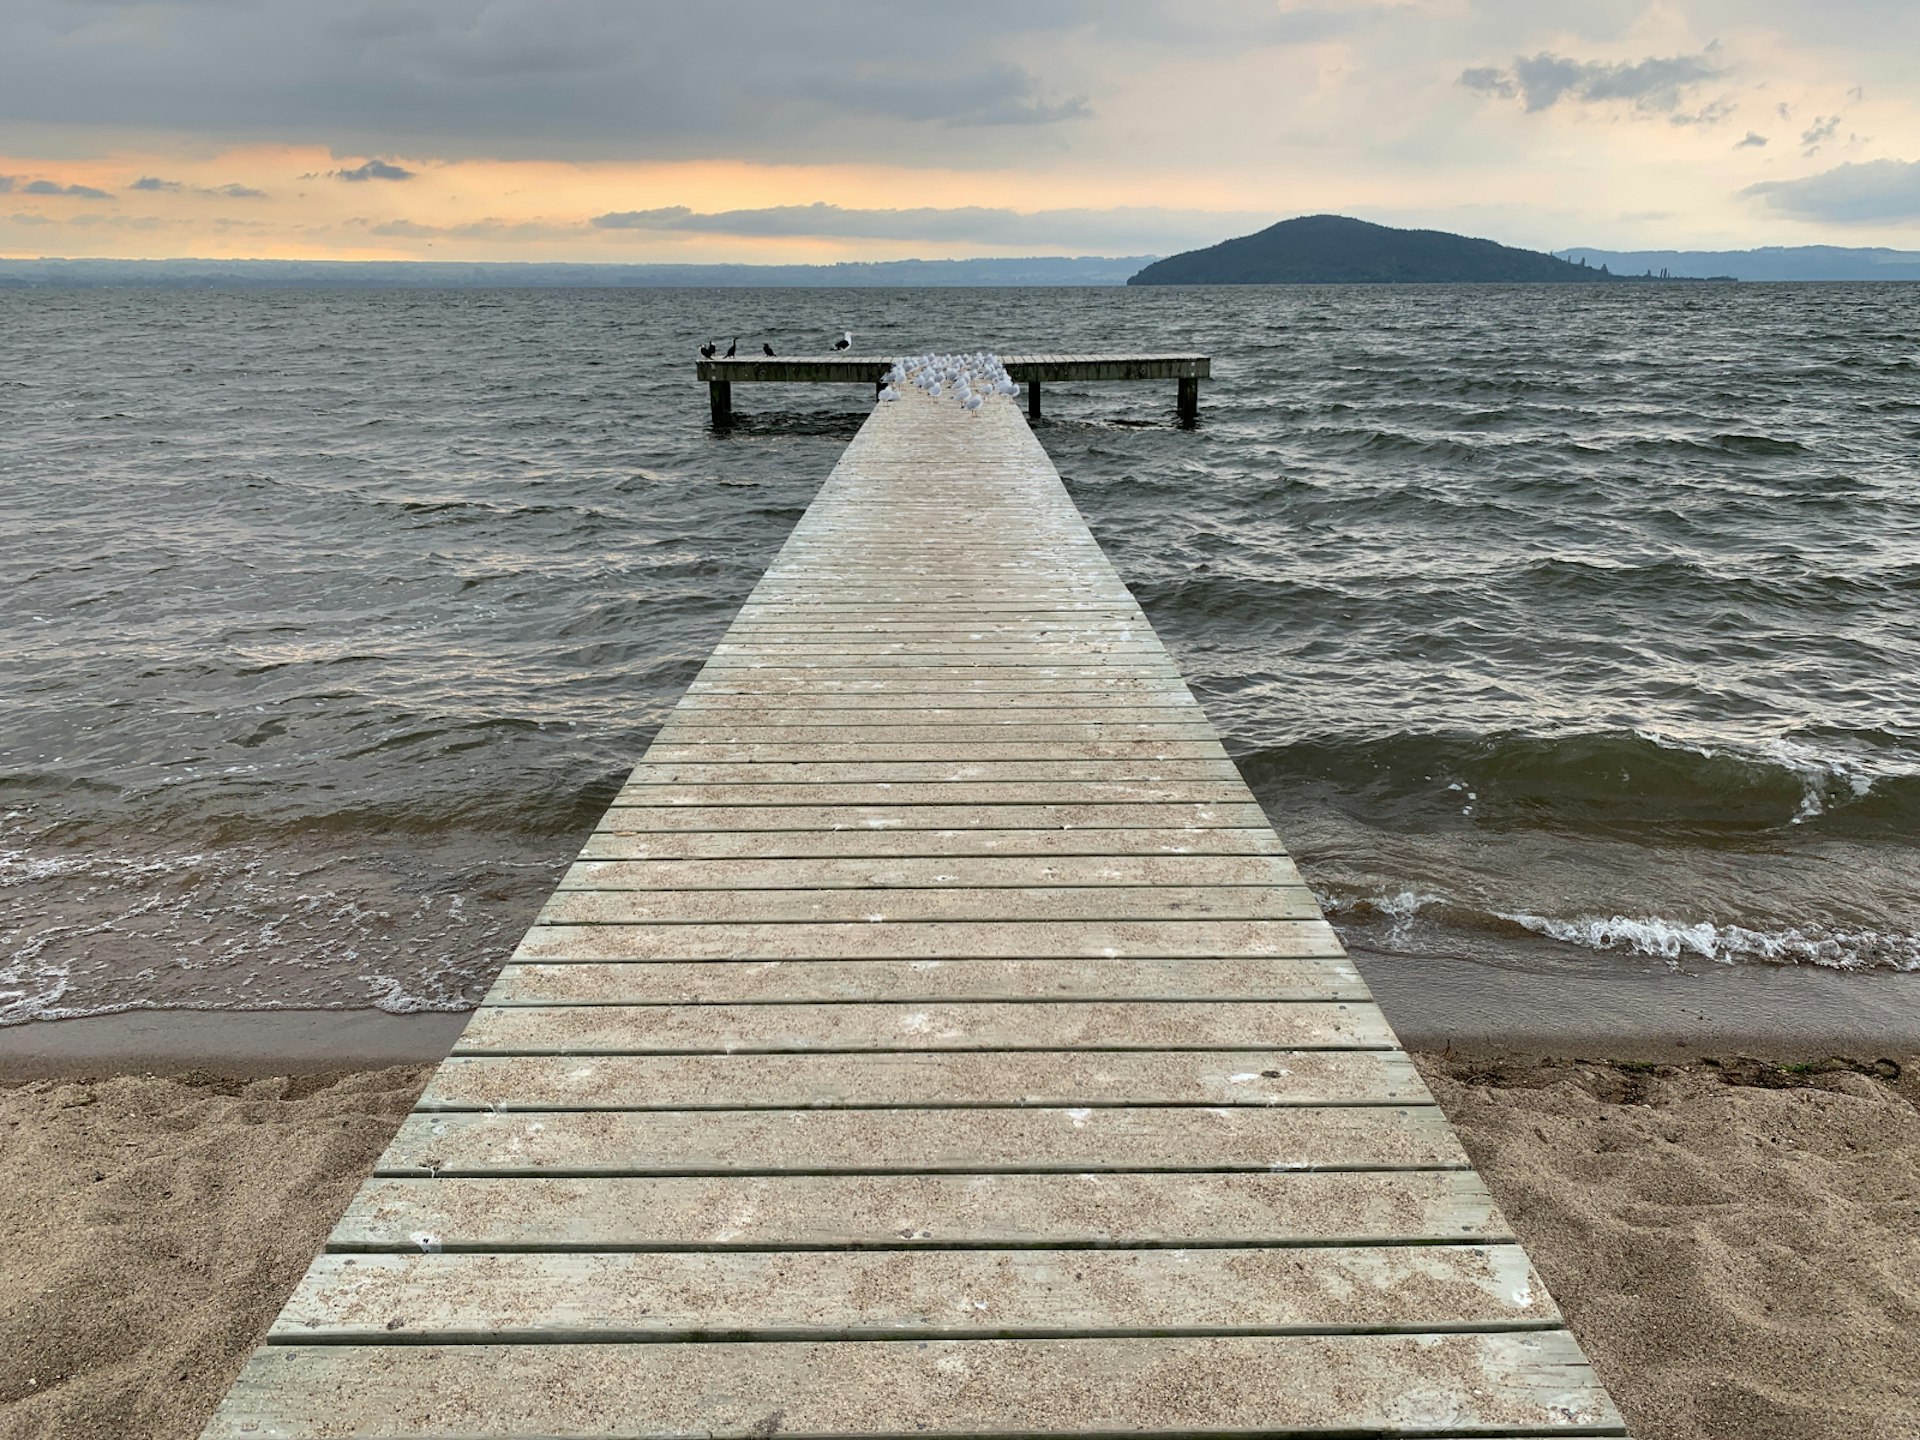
(932, 1040)
(1032, 371)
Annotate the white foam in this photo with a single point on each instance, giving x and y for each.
(1676, 940)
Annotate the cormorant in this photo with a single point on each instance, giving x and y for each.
(733, 347)
(766, 350)
(845, 342)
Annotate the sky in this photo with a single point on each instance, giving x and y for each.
(829, 130)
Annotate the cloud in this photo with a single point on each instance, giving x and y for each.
(373, 170)
(10, 183)
(1754, 140)
(1852, 194)
(1125, 228)
(155, 184)
(1823, 129)
(1542, 81)
(487, 229)
(765, 80)
(1709, 114)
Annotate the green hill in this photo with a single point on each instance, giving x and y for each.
(1333, 250)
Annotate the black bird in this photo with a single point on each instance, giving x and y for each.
(766, 350)
(845, 342)
(709, 350)
(733, 347)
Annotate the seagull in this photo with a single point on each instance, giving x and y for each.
(733, 347)
(766, 349)
(709, 350)
(972, 404)
(845, 342)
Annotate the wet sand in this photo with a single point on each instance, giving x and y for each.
(1736, 1243)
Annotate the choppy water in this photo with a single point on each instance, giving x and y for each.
(1550, 625)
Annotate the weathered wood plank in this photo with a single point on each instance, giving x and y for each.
(873, 731)
(1059, 752)
(908, 1211)
(894, 873)
(804, 812)
(1033, 903)
(923, 1141)
(906, 845)
(669, 982)
(899, 772)
(958, 1025)
(1277, 1386)
(1047, 1078)
(938, 940)
(941, 793)
(865, 770)
(906, 1294)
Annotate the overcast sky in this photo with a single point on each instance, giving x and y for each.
(817, 130)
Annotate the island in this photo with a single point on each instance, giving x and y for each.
(1336, 250)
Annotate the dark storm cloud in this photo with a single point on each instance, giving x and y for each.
(1544, 80)
(373, 170)
(1854, 194)
(755, 79)
(1127, 227)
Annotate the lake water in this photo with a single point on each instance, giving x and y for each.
(1565, 627)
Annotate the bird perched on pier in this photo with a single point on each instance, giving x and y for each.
(709, 350)
(766, 349)
(845, 342)
(733, 347)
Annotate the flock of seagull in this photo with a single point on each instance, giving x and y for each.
(712, 348)
(969, 379)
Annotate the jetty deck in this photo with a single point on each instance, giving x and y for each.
(935, 1040)
(1032, 371)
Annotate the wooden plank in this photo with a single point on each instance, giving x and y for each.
(802, 811)
(742, 982)
(904, 845)
(889, 732)
(924, 1141)
(1276, 1386)
(1071, 752)
(939, 940)
(942, 793)
(864, 770)
(1039, 904)
(911, 1211)
(759, 1080)
(907, 1294)
(959, 1025)
(893, 873)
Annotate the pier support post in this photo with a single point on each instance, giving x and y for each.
(720, 395)
(1033, 399)
(1189, 402)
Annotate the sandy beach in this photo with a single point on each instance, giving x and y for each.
(1736, 1242)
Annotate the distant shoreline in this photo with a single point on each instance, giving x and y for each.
(1039, 272)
